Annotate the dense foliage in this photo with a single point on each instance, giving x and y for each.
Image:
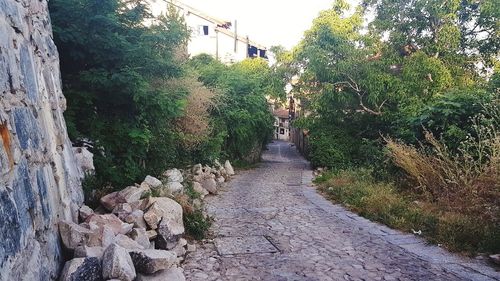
(136, 99)
(421, 72)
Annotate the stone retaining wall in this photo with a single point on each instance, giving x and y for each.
(39, 182)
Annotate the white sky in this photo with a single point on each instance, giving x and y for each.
(268, 22)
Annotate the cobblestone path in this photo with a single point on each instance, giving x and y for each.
(270, 224)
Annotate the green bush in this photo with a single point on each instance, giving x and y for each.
(196, 224)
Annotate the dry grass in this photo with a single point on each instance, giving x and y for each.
(194, 125)
(383, 202)
(467, 182)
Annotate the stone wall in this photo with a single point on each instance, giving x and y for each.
(39, 182)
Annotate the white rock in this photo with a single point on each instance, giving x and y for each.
(191, 248)
(197, 169)
(84, 212)
(210, 185)
(137, 219)
(85, 161)
(174, 187)
(74, 235)
(171, 274)
(88, 269)
(151, 261)
(229, 168)
(179, 249)
(173, 175)
(112, 221)
(140, 236)
(128, 243)
(88, 252)
(164, 209)
(495, 258)
(221, 179)
(133, 193)
(199, 189)
(151, 234)
(116, 263)
(152, 181)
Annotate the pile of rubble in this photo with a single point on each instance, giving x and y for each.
(134, 235)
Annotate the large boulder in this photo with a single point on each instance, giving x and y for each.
(171, 274)
(151, 261)
(209, 184)
(117, 264)
(82, 269)
(229, 168)
(111, 221)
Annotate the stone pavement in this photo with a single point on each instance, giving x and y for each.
(270, 224)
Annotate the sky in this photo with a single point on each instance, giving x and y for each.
(267, 22)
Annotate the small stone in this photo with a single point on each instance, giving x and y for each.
(122, 210)
(199, 189)
(152, 181)
(73, 235)
(175, 187)
(221, 179)
(88, 269)
(169, 233)
(179, 250)
(118, 264)
(151, 234)
(111, 200)
(171, 274)
(197, 169)
(495, 258)
(137, 219)
(128, 243)
(229, 168)
(84, 212)
(140, 236)
(191, 248)
(132, 193)
(111, 220)
(151, 261)
(88, 252)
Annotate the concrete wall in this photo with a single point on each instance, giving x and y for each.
(39, 182)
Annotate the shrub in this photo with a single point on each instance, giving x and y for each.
(383, 202)
(196, 224)
(468, 181)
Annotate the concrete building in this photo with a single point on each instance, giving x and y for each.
(216, 37)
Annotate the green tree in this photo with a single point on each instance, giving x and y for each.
(114, 69)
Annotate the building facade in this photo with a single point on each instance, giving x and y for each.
(216, 37)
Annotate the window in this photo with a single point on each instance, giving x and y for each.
(282, 131)
(203, 30)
